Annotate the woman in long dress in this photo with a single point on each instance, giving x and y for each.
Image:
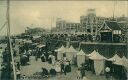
(53, 60)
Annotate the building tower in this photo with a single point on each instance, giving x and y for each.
(89, 22)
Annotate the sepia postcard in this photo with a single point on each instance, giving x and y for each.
(63, 40)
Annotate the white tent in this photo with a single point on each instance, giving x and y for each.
(125, 61)
(60, 52)
(96, 56)
(115, 57)
(80, 58)
(60, 49)
(116, 60)
(99, 62)
(92, 53)
(71, 53)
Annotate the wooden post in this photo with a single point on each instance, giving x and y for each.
(9, 41)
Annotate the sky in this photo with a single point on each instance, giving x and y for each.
(44, 13)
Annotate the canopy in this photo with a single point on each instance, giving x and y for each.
(116, 60)
(71, 49)
(62, 49)
(125, 61)
(92, 53)
(60, 52)
(98, 62)
(81, 52)
(71, 53)
(115, 57)
(80, 58)
(96, 56)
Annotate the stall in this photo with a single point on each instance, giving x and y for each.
(125, 61)
(71, 54)
(99, 62)
(80, 58)
(60, 52)
(119, 69)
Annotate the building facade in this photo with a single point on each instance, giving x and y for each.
(89, 24)
(67, 27)
(92, 23)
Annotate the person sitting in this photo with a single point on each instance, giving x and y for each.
(44, 72)
(53, 72)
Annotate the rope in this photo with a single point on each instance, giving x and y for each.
(3, 26)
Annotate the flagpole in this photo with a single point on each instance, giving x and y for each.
(8, 35)
(127, 32)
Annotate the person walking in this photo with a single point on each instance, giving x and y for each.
(78, 74)
(62, 67)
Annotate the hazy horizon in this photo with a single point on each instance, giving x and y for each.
(44, 13)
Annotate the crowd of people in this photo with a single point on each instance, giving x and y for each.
(46, 54)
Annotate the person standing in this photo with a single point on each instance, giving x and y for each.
(53, 60)
(78, 74)
(65, 71)
(62, 67)
(43, 58)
